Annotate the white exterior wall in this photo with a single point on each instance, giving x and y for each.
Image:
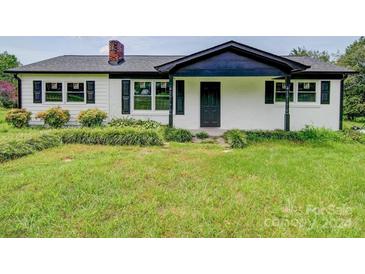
(242, 102)
(116, 103)
(243, 105)
(101, 93)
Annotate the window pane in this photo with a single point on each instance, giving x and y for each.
(162, 88)
(306, 86)
(162, 102)
(282, 86)
(142, 88)
(53, 96)
(306, 97)
(280, 97)
(75, 97)
(53, 86)
(142, 102)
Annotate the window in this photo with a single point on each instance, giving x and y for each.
(53, 92)
(162, 96)
(75, 92)
(281, 90)
(306, 92)
(142, 96)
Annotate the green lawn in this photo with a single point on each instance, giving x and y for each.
(269, 189)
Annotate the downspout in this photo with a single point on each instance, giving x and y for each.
(341, 102)
(19, 90)
(171, 101)
(287, 97)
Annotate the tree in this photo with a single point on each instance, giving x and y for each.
(354, 99)
(8, 61)
(319, 55)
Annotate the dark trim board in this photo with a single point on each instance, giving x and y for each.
(341, 105)
(19, 90)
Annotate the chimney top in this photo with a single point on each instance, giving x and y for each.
(116, 52)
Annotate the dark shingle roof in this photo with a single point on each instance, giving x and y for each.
(318, 66)
(97, 63)
(141, 63)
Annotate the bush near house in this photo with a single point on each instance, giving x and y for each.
(130, 122)
(235, 138)
(111, 136)
(202, 135)
(19, 148)
(91, 117)
(18, 117)
(177, 135)
(54, 117)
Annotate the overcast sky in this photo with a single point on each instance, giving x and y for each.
(32, 49)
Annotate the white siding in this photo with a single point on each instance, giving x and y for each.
(101, 93)
(243, 105)
(116, 104)
(242, 102)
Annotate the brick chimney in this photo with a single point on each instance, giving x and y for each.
(116, 52)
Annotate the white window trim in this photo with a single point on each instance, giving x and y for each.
(153, 97)
(295, 91)
(64, 91)
(44, 92)
(75, 103)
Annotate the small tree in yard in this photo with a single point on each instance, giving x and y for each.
(8, 94)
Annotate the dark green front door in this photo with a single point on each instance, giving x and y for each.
(210, 104)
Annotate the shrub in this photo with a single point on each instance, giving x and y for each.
(310, 133)
(202, 135)
(18, 117)
(91, 117)
(178, 135)
(130, 122)
(111, 136)
(54, 117)
(18, 148)
(264, 135)
(235, 138)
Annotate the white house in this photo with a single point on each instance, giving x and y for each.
(227, 86)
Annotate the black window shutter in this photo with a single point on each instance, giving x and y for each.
(180, 95)
(325, 92)
(90, 92)
(126, 96)
(37, 92)
(269, 92)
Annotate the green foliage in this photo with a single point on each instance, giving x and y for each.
(319, 55)
(18, 117)
(8, 61)
(313, 134)
(202, 135)
(354, 99)
(111, 136)
(308, 134)
(235, 138)
(266, 135)
(18, 148)
(91, 117)
(54, 117)
(130, 122)
(177, 135)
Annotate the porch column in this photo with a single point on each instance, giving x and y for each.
(171, 101)
(287, 97)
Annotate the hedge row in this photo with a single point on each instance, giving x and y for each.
(19, 148)
(107, 136)
(111, 136)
